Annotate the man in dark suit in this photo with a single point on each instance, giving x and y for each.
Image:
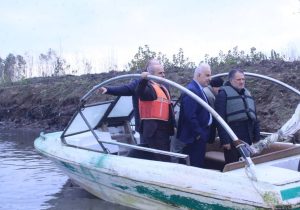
(156, 112)
(194, 120)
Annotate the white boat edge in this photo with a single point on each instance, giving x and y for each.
(133, 182)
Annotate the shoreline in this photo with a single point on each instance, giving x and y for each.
(35, 126)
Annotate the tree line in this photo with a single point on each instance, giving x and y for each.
(18, 67)
(232, 57)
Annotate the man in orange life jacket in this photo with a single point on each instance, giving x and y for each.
(156, 113)
(129, 90)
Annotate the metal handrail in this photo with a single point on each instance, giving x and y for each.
(183, 89)
(146, 149)
(266, 78)
(247, 159)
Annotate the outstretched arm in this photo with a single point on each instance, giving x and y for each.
(123, 90)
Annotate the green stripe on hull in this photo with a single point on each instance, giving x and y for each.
(290, 193)
(69, 166)
(178, 200)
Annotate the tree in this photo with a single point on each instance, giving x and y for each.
(229, 58)
(141, 58)
(20, 68)
(60, 66)
(8, 70)
(164, 60)
(13, 68)
(221, 57)
(29, 65)
(1, 69)
(52, 65)
(87, 66)
(45, 63)
(180, 61)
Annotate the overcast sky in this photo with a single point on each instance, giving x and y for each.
(103, 30)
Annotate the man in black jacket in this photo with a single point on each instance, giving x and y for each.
(130, 90)
(156, 113)
(236, 106)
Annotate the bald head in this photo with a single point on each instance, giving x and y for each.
(154, 67)
(151, 64)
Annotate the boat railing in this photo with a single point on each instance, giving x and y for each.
(120, 144)
(240, 145)
(265, 78)
(136, 147)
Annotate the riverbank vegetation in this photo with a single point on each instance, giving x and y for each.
(48, 102)
(19, 67)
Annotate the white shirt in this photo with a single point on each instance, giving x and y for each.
(206, 100)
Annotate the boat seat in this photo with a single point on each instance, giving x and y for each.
(217, 155)
(121, 133)
(274, 152)
(214, 160)
(214, 156)
(87, 140)
(121, 137)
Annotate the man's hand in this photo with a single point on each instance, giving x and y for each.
(102, 90)
(144, 74)
(245, 147)
(238, 143)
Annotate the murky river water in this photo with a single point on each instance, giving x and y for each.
(29, 181)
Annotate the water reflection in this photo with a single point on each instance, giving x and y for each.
(30, 181)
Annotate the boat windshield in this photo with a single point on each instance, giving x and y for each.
(97, 113)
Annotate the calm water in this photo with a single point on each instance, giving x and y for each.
(29, 181)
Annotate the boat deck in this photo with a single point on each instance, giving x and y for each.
(215, 156)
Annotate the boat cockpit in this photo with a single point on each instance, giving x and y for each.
(108, 127)
(106, 121)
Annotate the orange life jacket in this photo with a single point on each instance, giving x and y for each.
(157, 109)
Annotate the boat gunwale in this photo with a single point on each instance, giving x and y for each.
(157, 184)
(292, 151)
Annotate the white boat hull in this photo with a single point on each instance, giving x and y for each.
(145, 184)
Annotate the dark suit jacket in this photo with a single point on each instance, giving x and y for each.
(128, 90)
(193, 118)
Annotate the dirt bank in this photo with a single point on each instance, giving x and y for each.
(48, 103)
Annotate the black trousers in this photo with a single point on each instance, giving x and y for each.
(231, 155)
(196, 151)
(159, 140)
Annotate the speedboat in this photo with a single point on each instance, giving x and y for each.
(100, 152)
